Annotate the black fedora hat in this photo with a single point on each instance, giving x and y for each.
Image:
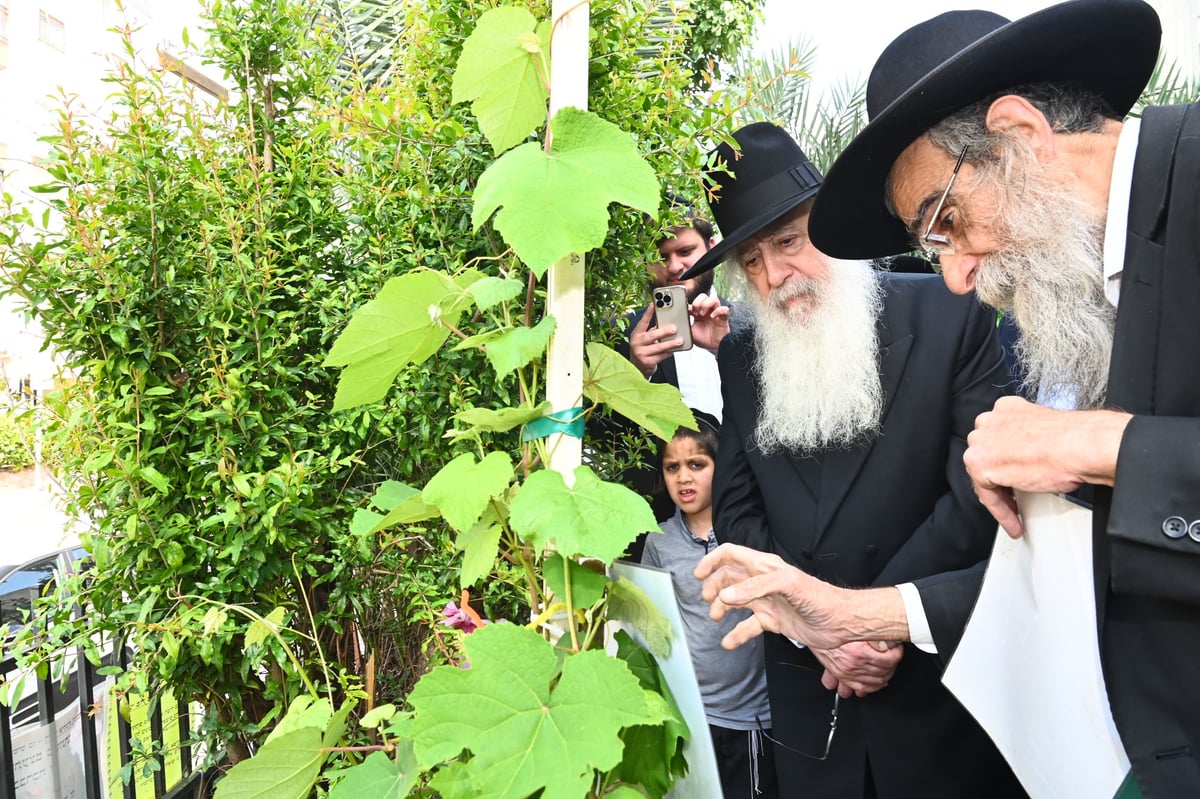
(748, 189)
(958, 58)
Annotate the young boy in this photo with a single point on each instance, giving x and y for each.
(732, 684)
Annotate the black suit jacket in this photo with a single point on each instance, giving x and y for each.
(1147, 562)
(888, 511)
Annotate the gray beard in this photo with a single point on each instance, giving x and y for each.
(1049, 272)
(818, 371)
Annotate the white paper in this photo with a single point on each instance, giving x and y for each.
(1028, 665)
(702, 778)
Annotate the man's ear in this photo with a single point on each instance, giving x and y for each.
(712, 242)
(1013, 115)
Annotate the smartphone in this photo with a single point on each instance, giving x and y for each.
(671, 308)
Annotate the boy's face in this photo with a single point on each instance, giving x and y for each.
(688, 472)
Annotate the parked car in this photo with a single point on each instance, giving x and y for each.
(20, 586)
(22, 583)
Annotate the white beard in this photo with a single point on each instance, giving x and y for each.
(817, 368)
(1049, 271)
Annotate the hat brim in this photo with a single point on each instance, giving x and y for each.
(1106, 46)
(720, 251)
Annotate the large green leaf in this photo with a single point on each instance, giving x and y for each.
(285, 767)
(587, 586)
(479, 546)
(524, 734)
(403, 505)
(517, 347)
(462, 488)
(380, 777)
(591, 519)
(493, 290)
(405, 323)
(504, 69)
(611, 379)
(303, 712)
(653, 753)
(554, 204)
(498, 421)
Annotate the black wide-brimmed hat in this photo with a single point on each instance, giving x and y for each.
(751, 187)
(944, 64)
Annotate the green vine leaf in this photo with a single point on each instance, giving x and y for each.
(525, 732)
(285, 767)
(405, 324)
(261, 629)
(653, 753)
(380, 777)
(462, 488)
(499, 421)
(591, 519)
(612, 380)
(454, 781)
(402, 504)
(491, 291)
(517, 347)
(479, 546)
(587, 586)
(554, 204)
(504, 69)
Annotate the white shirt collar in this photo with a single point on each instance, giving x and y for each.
(1116, 223)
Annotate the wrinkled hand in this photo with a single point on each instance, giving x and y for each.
(648, 347)
(710, 322)
(1020, 445)
(859, 668)
(783, 599)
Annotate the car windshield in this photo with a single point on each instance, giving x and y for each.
(20, 587)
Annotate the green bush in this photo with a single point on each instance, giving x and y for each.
(14, 452)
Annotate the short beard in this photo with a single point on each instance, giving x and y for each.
(701, 284)
(1049, 271)
(817, 367)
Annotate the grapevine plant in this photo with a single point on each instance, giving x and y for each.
(540, 708)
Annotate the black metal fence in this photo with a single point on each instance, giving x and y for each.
(53, 698)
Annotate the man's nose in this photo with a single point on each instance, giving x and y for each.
(959, 271)
(777, 268)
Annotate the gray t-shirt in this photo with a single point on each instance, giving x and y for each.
(732, 684)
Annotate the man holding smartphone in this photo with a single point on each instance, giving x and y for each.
(657, 345)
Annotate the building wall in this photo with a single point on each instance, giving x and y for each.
(51, 50)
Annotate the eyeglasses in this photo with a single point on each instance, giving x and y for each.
(935, 245)
(833, 721)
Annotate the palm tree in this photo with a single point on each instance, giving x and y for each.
(1167, 86)
(777, 87)
(369, 32)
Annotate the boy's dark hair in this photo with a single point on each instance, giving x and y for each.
(706, 435)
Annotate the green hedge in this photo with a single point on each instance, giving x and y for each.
(14, 454)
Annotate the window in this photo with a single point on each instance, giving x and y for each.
(52, 31)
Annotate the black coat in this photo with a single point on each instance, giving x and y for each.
(893, 510)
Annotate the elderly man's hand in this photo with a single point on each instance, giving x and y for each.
(783, 598)
(859, 668)
(1019, 445)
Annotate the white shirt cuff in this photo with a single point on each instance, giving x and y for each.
(918, 625)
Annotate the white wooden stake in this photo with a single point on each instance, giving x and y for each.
(564, 364)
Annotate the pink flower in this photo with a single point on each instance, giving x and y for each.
(463, 618)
